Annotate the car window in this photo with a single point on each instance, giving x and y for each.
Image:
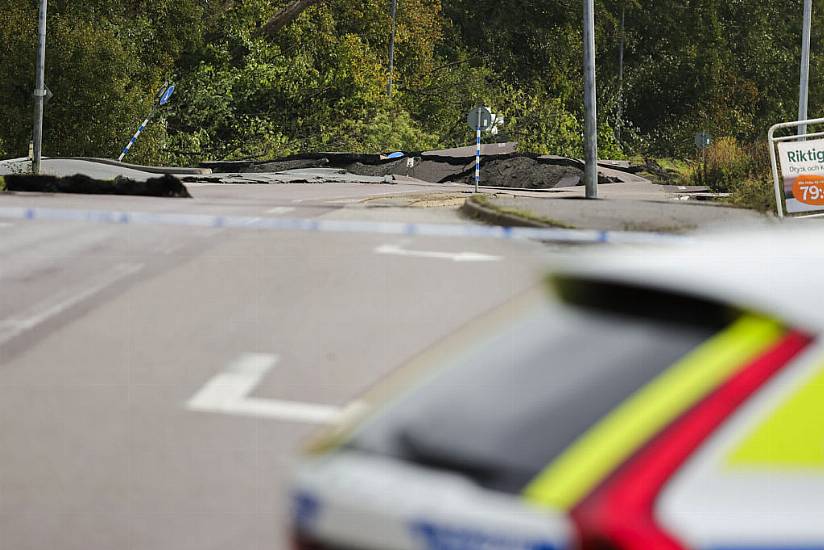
(505, 409)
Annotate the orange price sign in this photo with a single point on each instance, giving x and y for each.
(809, 189)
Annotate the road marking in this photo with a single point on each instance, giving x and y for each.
(5, 224)
(54, 306)
(228, 393)
(280, 210)
(394, 250)
(171, 248)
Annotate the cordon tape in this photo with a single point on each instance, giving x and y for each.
(571, 236)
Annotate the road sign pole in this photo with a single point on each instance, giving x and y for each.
(40, 90)
(136, 135)
(161, 100)
(392, 45)
(805, 66)
(590, 106)
(478, 155)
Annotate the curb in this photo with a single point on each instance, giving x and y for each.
(475, 210)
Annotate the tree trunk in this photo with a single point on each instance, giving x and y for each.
(286, 16)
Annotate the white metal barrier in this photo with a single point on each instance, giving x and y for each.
(792, 204)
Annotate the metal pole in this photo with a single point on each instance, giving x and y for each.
(621, 79)
(39, 91)
(392, 45)
(478, 151)
(805, 66)
(132, 141)
(590, 106)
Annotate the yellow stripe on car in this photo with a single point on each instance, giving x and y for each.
(792, 437)
(613, 439)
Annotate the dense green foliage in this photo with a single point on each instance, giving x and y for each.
(729, 67)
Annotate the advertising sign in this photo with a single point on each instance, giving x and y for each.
(802, 170)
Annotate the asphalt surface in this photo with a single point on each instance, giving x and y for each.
(108, 332)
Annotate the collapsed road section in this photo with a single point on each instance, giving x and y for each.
(501, 166)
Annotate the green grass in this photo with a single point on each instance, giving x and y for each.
(753, 193)
(679, 170)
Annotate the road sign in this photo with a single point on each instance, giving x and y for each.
(479, 118)
(167, 95)
(702, 140)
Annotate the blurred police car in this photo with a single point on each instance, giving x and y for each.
(668, 399)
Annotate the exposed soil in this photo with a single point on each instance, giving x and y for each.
(524, 173)
(166, 186)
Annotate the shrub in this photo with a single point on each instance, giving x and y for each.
(726, 163)
(740, 170)
(754, 193)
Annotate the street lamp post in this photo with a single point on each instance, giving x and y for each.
(805, 66)
(621, 77)
(40, 91)
(392, 45)
(590, 107)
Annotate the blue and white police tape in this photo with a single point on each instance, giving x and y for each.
(134, 139)
(572, 236)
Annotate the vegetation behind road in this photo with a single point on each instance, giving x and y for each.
(319, 83)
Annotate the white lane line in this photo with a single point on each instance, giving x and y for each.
(54, 306)
(170, 248)
(393, 250)
(5, 224)
(228, 393)
(278, 210)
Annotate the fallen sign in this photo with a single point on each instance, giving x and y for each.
(801, 178)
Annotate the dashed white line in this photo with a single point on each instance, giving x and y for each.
(278, 210)
(54, 306)
(228, 393)
(394, 250)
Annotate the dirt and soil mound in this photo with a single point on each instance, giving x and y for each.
(524, 173)
(166, 186)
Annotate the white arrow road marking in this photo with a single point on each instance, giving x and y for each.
(395, 250)
(228, 393)
(278, 210)
(63, 300)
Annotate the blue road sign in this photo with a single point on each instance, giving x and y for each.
(167, 95)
